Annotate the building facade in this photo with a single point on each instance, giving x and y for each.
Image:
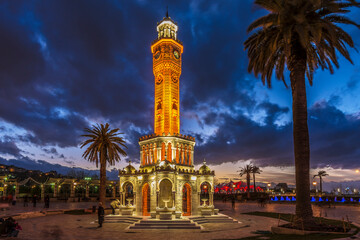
(166, 184)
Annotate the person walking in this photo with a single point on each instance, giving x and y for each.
(34, 200)
(114, 205)
(47, 201)
(233, 203)
(26, 201)
(101, 213)
(14, 200)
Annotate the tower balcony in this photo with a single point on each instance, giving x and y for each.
(176, 149)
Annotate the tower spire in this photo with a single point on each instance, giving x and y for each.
(167, 12)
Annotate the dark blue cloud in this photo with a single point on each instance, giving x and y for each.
(68, 64)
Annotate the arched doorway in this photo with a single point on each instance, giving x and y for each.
(204, 195)
(128, 191)
(165, 194)
(186, 200)
(146, 199)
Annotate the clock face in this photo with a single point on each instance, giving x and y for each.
(157, 55)
(176, 54)
(159, 80)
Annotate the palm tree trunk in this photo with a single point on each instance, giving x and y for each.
(248, 184)
(320, 185)
(254, 182)
(102, 191)
(297, 67)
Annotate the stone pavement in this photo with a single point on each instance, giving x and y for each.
(70, 227)
(19, 207)
(339, 212)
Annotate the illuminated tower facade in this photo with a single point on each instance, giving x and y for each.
(167, 51)
(166, 143)
(166, 186)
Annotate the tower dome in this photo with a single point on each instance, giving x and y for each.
(129, 168)
(204, 168)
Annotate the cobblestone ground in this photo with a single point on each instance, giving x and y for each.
(69, 227)
(339, 212)
(19, 207)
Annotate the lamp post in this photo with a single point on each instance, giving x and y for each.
(314, 184)
(269, 185)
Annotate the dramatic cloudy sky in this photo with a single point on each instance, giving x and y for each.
(65, 65)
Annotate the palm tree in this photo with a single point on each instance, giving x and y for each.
(321, 174)
(255, 170)
(106, 147)
(247, 169)
(301, 35)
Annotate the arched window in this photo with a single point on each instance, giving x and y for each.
(129, 191)
(165, 196)
(204, 194)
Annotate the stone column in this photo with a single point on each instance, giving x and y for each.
(158, 154)
(153, 151)
(174, 194)
(181, 158)
(157, 199)
(114, 191)
(192, 156)
(141, 157)
(42, 192)
(173, 155)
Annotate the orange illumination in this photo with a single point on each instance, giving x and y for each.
(146, 199)
(187, 200)
(167, 40)
(167, 71)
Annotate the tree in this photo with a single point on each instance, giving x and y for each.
(255, 170)
(246, 170)
(321, 174)
(106, 147)
(301, 35)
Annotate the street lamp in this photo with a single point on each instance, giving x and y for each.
(357, 170)
(314, 184)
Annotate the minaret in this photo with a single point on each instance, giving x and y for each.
(167, 50)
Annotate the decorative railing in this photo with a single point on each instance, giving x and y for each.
(179, 135)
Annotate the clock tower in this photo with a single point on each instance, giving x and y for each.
(166, 184)
(167, 143)
(167, 50)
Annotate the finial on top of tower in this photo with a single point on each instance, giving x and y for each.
(204, 162)
(129, 162)
(167, 12)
